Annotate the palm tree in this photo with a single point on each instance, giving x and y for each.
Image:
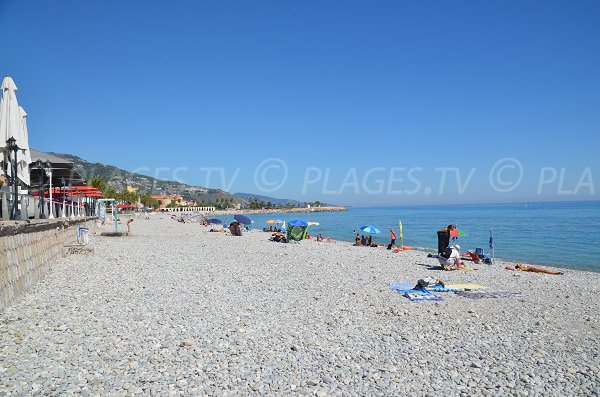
(98, 183)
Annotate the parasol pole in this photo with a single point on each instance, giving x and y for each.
(492, 246)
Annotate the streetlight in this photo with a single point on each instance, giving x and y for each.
(49, 170)
(71, 200)
(40, 166)
(62, 195)
(11, 145)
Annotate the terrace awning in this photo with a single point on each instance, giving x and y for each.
(61, 169)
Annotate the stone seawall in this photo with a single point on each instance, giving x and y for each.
(27, 251)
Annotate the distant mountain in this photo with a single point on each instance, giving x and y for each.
(119, 179)
(266, 199)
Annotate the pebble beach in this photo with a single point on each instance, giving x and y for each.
(174, 310)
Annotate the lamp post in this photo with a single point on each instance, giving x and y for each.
(40, 167)
(71, 199)
(49, 170)
(11, 145)
(62, 195)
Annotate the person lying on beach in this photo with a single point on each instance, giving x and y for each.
(528, 268)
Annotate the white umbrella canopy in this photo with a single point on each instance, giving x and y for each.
(13, 124)
(10, 121)
(24, 158)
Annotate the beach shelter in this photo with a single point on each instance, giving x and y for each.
(296, 230)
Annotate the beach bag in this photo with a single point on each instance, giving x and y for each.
(446, 253)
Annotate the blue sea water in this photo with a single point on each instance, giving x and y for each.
(550, 233)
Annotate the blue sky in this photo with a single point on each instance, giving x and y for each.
(354, 102)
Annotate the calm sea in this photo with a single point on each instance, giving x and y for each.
(555, 233)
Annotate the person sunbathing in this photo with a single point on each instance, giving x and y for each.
(528, 268)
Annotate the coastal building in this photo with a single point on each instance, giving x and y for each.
(168, 199)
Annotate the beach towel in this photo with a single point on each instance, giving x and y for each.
(488, 294)
(421, 295)
(465, 286)
(439, 288)
(407, 290)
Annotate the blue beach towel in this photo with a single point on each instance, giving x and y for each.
(439, 288)
(414, 294)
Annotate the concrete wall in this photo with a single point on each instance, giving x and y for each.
(27, 251)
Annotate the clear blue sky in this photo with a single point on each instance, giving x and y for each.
(365, 102)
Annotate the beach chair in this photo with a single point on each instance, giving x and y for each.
(480, 253)
(485, 258)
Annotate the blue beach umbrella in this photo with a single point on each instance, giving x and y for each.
(243, 219)
(297, 222)
(370, 229)
(214, 221)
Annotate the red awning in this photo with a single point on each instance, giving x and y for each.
(125, 206)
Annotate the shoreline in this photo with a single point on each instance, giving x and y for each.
(276, 211)
(416, 248)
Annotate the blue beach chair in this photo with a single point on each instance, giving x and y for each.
(483, 256)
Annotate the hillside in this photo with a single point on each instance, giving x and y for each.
(119, 179)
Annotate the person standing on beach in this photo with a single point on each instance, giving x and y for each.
(129, 226)
(392, 237)
(444, 237)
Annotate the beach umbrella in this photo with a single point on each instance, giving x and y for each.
(11, 120)
(370, 229)
(297, 222)
(243, 219)
(314, 224)
(274, 221)
(458, 233)
(24, 158)
(214, 221)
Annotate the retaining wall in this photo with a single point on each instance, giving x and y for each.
(27, 251)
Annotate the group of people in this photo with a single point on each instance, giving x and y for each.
(363, 241)
(278, 237)
(450, 258)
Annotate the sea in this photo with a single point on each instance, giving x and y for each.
(561, 234)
